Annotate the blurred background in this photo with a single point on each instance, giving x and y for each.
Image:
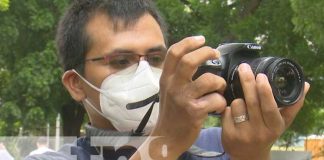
(33, 100)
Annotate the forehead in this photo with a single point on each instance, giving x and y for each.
(104, 34)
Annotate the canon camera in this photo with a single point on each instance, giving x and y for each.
(285, 76)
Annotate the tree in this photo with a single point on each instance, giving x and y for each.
(31, 92)
(30, 73)
(4, 5)
(308, 20)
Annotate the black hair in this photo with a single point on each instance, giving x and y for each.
(72, 40)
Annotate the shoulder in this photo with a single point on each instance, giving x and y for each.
(212, 132)
(210, 138)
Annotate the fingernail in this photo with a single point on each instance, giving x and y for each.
(199, 38)
(262, 77)
(244, 67)
(307, 85)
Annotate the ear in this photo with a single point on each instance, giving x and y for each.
(73, 83)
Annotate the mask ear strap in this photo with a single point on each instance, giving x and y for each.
(94, 108)
(141, 126)
(86, 81)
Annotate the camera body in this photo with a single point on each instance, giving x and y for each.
(285, 76)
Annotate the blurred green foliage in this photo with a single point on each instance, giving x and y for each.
(31, 93)
(4, 5)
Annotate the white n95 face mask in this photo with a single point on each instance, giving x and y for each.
(134, 84)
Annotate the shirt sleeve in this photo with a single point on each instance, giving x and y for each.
(210, 140)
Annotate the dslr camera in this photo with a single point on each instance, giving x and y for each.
(285, 76)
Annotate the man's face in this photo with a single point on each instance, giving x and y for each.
(141, 38)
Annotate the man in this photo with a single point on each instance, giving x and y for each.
(117, 64)
(4, 154)
(42, 146)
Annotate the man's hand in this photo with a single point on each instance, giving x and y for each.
(252, 139)
(184, 103)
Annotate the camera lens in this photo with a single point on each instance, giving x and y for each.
(284, 75)
(281, 79)
(286, 80)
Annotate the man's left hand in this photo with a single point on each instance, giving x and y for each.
(252, 139)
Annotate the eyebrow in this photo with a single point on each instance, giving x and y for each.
(159, 48)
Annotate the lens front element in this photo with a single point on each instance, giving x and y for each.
(286, 80)
(285, 77)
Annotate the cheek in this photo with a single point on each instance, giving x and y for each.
(96, 74)
(93, 96)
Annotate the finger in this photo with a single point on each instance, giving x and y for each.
(248, 83)
(238, 109)
(213, 102)
(269, 109)
(189, 63)
(177, 50)
(205, 84)
(227, 121)
(289, 113)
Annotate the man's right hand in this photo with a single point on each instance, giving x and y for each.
(184, 103)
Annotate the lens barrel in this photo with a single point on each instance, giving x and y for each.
(284, 75)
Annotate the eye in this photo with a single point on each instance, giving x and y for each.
(121, 61)
(156, 59)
